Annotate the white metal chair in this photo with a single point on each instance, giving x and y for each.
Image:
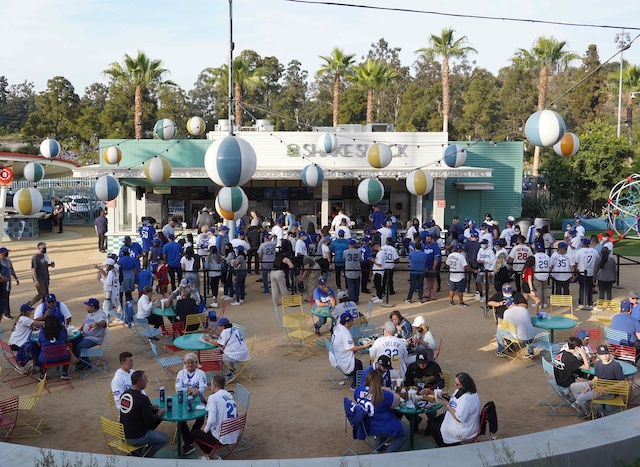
(337, 380)
(556, 391)
(97, 354)
(166, 363)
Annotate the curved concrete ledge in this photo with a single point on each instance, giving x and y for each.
(607, 441)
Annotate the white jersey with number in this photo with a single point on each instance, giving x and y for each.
(542, 266)
(586, 259)
(390, 256)
(486, 257)
(221, 407)
(234, 345)
(561, 266)
(506, 235)
(456, 262)
(393, 347)
(519, 255)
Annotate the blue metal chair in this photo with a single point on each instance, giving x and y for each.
(97, 354)
(556, 391)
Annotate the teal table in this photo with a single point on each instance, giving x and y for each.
(324, 312)
(165, 312)
(71, 336)
(553, 324)
(179, 413)
(627, 368)
(192, 342)
(412, 416)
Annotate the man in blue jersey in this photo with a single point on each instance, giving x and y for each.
(172, 253)
(377, 217)
(222, 239)
(434, 257)
(337, 248)
(365, 263)
(147, 234)
(417, 266)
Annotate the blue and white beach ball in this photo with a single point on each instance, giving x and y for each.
(419, 182)
(370, 191)
(165, 129)
(157, 169)
(33, 172)
(230, 161)
(231, 203)
(50, 148)
(327, 143)
(27, 201)
(379, 155)
(454, 155)
(312, 175)
(544, 128)
(112, 155)
(107, 188)
(196, 126)
(568, 145)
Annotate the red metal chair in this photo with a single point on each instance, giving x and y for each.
(16, 374)
(435, 358)
(171, 331)
(211, 361)
(594, 337)
(9, 415)
(57, 356)
(228, 426)
(623, 352)
(484, 416)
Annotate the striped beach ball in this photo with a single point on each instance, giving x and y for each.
(112, 155)
(27, 201)
(196, 126)
(379, 155)
(568, 145)
(419, 182)
(107, 188)
(370, 191)
(165, 129)
(50, 148)
(327, 143)
(231, 203)
(230, 161)
(157, 169)
(33, 172)
(544, 128)
(312, 175)
(454, 155)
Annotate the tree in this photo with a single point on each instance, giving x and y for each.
(547, 56)
(205, 97)
(585, 102)
(373, 76)
(141, 73)
(20, 102)
(481, 106)
(517, 97)
(290, 105)
(446, 47)
(337, 65)
(630, 84)
(174, 104)
(57, 111)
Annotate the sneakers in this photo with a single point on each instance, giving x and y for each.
(226, 297)
(576, 406)
(477, 296)
(235, 303)
(407, 301)
(583, 416)
(376, 300)
(529, 356)
(117, 321)
(463, 305)
(500, 354)
(65, 376)
(482, 299)
(214, 304)
(188, 449)
(204, 457)
(451, 303)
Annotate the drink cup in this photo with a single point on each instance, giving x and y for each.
(438, 393)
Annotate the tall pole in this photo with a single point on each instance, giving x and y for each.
(622, 42)
(231, 100)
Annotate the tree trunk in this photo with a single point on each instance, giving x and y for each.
(446, 105)
(370, 106)
(630, 119)
(238, 103)
(336, 99)
(137, 112)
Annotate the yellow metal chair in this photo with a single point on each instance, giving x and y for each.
(563, 301)
(114, 436)
(193, 322)
(112, 405)
(295, 302)
(241, 367)
(297, 338)
(509, 333)
(446, 376)
(25, 412)
(610, 307)
(619, 389)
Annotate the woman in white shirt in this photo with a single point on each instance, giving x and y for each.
(22, 328)
(461, 419)
(145, 308)
(193, 382)
(190, 264)
(423, 338)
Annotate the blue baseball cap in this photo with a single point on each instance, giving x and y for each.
(625, 305)
(224, 228)
(93, 302)
(240, 232)
(50, 296)
(539, 246)
(562, 245)
(506, 288)
(223, 321)
(322, 281)
(365, 240)
(474, 233)
(352, 242)
(240, 248)
(586, 241)
(26, 307)
(457, 247)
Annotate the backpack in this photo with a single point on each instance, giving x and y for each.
(196, 262)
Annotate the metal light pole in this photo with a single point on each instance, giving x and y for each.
(623, 42)
(231, 46)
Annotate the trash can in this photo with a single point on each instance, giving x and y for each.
(524, 223)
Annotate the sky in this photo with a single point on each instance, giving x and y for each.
(78, 39)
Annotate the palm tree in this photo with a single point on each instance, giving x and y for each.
(446, 47)
(548, 56)
(631, 81)
(337, 65)
(372, 76)
(142, 73)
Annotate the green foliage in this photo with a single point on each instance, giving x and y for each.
(48, 459)
(57, 111)
(585, 105)
(532, 207)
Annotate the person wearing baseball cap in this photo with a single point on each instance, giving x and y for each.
(22, 332)
(345, 305)
(344, 350)
(634, 298)
(366, 260)
(499, 300)
(91, 332)
(172, 253)
(519, 316)
(586, 259)
(427, 376)
(382, 365)
(458, 268)
(234, 348)
(517, 257)
(626, 323)
(562, 267)
(541, 272)
(324, 300)
(53, 307)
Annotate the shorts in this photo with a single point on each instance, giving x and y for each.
(457, 286)
(430, 274)
(480, 278)
(526, 288)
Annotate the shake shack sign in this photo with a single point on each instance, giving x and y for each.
(344, 150)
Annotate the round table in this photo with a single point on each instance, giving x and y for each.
(165, 312)
(412, 416)
(323, 312)
(71, 336)
(627, 368)
(179, 413)
(192, 342)
(554, 323)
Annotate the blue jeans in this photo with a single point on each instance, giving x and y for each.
(265, 280)
(156, 439)
(80, 344)
(501, 342)
(398, 441)
(241, 277)
(353, 289)
(416, 281)
(585, 296)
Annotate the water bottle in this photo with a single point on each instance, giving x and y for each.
(169, 403)
(180, 395)
(190, 404)
(162, 394)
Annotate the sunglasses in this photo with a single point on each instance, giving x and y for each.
(51, 301)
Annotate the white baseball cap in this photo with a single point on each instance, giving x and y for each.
(419, 321)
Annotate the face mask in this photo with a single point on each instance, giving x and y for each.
(485, 246)
(44, 250)
(506, 296)
(517, 232)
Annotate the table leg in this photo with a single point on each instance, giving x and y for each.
(551, 336)
(179, 440)
(412, 422)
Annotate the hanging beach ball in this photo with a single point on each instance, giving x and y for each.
(165, 129)
(419, 182)
(231, 203)
(27, 201)
(196, 126)
(327, 143)
(544, 128)
(568, 145)
(312, 175)
(230, 161)
(379, 155)
(370, 191)
(107, 188)
(112, 155)
(454, 155)
(50, 148)
(33, 172)
(157, 169)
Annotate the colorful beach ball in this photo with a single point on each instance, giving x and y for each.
(196, 126)
(231, 203)
(454, 155)
(157, 169)
(27, 201)
(379, 155)
(50, 148)
(419, 182)
(230, 161)
(112, 155)
(568, 145)
(33, 172)
(327, 143)
(312, 175)
(370, 191)
(107, 188)
(165, 129)
(544, 128)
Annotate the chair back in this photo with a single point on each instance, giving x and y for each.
(105, 339)
(616, 388)
(192, 323)
(111, 428)
(291, 301)
(615, 335)
(446, 376)
(484, 414)
(112, 405)
(241, 329)
(509, 327)
(241, 396)
(9, 410)
(154, 349)
(329, 345)
(290, 323)
(435, 358)
(8, 353)
(561, 300)
(55, 352)
(211, 360)
(547, 366)
(231, 425)
(369, 310)
(594, 335)
(623, 352)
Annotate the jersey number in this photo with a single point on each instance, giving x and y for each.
(232, 410)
